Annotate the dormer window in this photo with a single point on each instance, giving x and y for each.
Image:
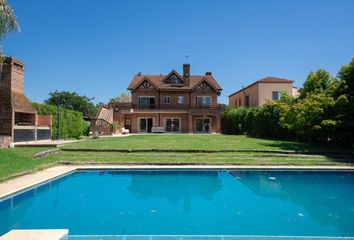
(173, 79)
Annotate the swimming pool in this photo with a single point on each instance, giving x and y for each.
(188, 202)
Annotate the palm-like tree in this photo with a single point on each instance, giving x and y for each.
(8, 22)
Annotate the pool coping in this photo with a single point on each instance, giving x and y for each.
(35, 234)
(24, 182)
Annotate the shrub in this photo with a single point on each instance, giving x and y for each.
(72, 124)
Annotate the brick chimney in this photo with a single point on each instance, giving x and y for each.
(12, 75)
(186, 74)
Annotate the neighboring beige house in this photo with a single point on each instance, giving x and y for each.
(261, 91)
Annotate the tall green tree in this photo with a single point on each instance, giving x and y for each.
(309, 118)
(8, 22)
(73, 101)
(344, 95)
(317, 82)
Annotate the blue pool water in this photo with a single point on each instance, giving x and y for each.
(212, 202)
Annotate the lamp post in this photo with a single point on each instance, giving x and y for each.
(56, 94)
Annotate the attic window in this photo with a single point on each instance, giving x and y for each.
(173, 79)
(203, 86)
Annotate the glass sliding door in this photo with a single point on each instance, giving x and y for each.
(172, 125)
(203, 125)
(146, 102)
(145, 125)
(203, 101)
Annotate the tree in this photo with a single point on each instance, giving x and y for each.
(309, 118)
(73, 101)
(317, 82)
(123, 97)
(8, 22)
(344, 95)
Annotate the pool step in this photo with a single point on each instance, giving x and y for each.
(38, 234)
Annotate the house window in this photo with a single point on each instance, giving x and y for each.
(166, 99)
(173, 79)
(172, 125)
(180, 99)
(146, 102)
(247, 101)
(203, 125)
(203, 101)
(275, 95)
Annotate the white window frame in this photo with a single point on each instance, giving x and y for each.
(146, 97)
(203, 101)
(180, 99)
(153, 120)
(279, 95)
(180, 124)
(210, 122)
(165, 98)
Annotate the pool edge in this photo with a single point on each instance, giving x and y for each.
(25, 182)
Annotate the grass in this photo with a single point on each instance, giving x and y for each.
(208, 142)
(19, 160)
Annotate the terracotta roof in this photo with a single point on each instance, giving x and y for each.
(20, 103)
(157, 81)
(274, 80)
(265, 80)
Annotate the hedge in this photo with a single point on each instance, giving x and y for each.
(72, 124)
(256, 121)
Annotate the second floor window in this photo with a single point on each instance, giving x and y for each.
(275, 95)
(180, 99)
(146, 102)
(247, 101)
(203, 101)
(166, 99)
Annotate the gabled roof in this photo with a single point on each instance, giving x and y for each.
(194, 80)
(265, 80)
(171, 73)
(207, 81)
(143, 79)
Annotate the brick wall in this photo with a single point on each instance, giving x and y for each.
(5, 110)
(44, 120)
(12, 80)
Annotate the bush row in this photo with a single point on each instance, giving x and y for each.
(72, 124)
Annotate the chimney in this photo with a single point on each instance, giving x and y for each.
(12, 75)
(208, 74)
(186, 74)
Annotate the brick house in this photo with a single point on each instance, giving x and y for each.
(19, 121)
(171, 103)
(259, 92)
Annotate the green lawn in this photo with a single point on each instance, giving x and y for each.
(188, 141)
(19, 160)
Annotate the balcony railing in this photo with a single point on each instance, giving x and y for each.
(178, 106)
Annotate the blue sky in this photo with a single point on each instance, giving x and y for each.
(95, 47)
